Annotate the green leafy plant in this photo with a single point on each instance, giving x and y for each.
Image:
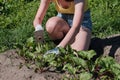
(78, 64)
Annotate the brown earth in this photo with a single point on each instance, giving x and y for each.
(12, 66)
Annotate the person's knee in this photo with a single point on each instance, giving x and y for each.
(56, 27)
(51, 24)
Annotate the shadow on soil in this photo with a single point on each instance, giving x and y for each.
(99, 45)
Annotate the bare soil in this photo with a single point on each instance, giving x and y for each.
(12, 66)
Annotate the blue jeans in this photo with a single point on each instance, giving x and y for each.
(87, 23)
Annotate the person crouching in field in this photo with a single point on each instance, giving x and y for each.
(72, 25)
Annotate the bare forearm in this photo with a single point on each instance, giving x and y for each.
(69, 36)
(41, 12)
(78, 15)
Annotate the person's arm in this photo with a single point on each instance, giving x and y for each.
(38, 34)
(41, 12)
(78, 15)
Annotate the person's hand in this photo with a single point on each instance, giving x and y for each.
(53, 51)
(39, 34)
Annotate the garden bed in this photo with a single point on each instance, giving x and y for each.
(14, 67)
